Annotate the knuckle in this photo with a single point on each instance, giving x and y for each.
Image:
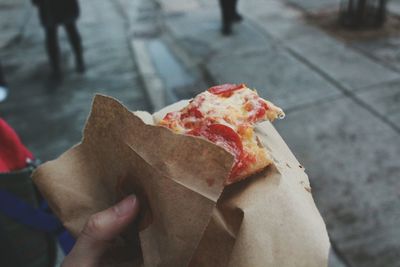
(92, 227)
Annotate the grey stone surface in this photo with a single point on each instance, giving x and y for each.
(173, 6)
(151, 81)
(14, 15)
(276, 18)
(50, 119)
(394, 6)
(315, 5)
(352, 159)
(165, 78)
(334, 260)
(251, 57)
(205, 40)
(340, 62)
(385, 50)
(276, 75)
(171, 71)
(385, 99)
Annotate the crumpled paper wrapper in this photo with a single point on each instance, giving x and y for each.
(187, 216)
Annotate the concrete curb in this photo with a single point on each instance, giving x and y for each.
(187, 60)
(154, 86)
(152, 82)
(180, 51)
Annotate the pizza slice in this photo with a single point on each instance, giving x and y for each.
(226, 115)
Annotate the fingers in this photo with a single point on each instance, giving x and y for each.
(99, 232)
(106, 225)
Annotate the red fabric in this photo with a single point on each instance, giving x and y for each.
(13, 154)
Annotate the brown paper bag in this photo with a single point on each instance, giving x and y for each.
(188, 218)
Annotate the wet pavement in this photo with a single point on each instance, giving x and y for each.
(50, 118)
(14, 15)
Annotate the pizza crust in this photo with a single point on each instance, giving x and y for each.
(263, 160)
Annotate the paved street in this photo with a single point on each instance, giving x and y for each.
(48, 118)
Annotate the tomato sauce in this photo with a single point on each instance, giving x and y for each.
(228, 139)
(225, 90)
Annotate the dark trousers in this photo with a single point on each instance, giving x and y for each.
(228, 10)
(53, 50)
(2, 79)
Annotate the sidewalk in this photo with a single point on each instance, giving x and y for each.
(343, 115)
(14, 15)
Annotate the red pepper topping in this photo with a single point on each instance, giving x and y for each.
(239, 166)
(259, 112)
(225, 89)
(169, 116)
(227, 138)
(192, 112)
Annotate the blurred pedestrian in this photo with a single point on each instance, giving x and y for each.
(229, 15)
(3, 85)
(53, 13)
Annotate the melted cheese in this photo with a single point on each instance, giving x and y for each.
(233, 111)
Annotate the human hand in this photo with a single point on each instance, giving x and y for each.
(100, 232)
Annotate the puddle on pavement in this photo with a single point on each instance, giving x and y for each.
(169, 68)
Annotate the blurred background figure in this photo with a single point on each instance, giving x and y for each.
(229, 15)
(3, 85)
(60, 12)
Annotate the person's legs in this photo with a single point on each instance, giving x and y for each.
(53, 50)
(236, 17)
(2, 79)
(226, 13)
(76, 43)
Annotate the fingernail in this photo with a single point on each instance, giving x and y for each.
(126, 206)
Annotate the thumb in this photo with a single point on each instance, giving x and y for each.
(100, 231)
